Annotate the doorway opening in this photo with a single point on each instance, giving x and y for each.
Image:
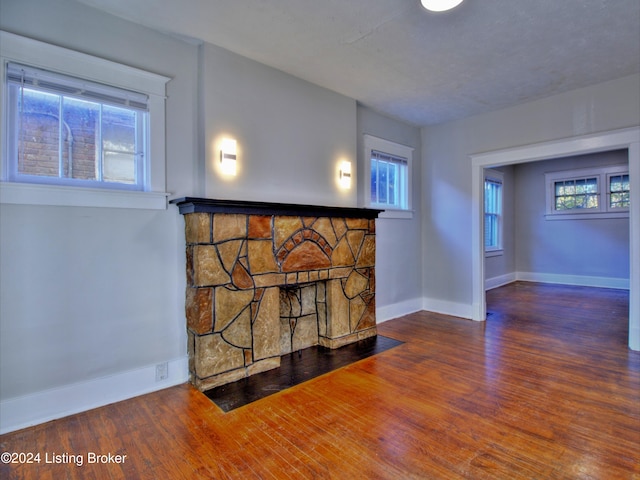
(628, 139)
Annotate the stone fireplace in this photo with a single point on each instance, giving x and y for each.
(267, 279)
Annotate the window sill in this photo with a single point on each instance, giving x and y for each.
(56, 195)
(493, 253)
(402, 214)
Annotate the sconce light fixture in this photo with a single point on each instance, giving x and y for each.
(345, 174)
(228, 157)
(440, 5)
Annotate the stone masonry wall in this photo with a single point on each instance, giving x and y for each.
(237, 265)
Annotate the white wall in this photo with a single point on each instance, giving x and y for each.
(398, 240)
(447, 183)
(574, 249)
(291, 134)
(93, 298)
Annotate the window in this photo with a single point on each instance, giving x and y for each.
(576, 193)
(618, 192)
(68, 131)
(387, 174)
(388, 180)
(79, 130)
(493, 219)
(600, 192)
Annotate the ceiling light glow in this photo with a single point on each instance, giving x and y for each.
(440, 5)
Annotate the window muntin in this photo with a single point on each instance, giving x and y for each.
(618, 191)
(576, 193)
(69, 131)
(387, 174)
(597, 192)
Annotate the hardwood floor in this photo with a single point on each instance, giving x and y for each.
(545, 389)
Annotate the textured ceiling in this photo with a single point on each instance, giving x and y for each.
(421, 67)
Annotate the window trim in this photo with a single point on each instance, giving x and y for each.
(498, 177)
(603, 211)
(18, 49)
(372, 143)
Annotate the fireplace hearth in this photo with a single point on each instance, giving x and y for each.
(266, 279)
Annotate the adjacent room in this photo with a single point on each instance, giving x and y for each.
(295, 239)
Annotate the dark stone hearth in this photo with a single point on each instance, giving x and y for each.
(296, 368)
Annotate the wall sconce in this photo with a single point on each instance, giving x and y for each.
(345, 174)
(228, 158)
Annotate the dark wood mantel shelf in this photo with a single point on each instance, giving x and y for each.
(209, 205)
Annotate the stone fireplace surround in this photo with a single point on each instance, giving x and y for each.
(266, 279)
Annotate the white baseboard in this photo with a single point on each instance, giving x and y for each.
(446, 307)
(21, 412)
(389, 312)
(499, 281)
(396, 310)
(466, 311)
(580, 280)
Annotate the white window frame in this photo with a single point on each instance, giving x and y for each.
(372, 143)
(497, 177)
(18, 49)
(602, 174)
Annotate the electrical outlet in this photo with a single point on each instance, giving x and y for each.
(162, 371)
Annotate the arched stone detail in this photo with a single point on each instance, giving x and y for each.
(305, 249)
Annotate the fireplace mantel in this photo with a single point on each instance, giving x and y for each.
(267, 279)
(209, 205)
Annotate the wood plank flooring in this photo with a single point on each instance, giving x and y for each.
(545, 389)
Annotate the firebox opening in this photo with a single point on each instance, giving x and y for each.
(303, 316)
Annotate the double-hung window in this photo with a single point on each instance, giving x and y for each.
(600, 192)
(493, 217)
(79, 130)
(388, 179)
(387, 176)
